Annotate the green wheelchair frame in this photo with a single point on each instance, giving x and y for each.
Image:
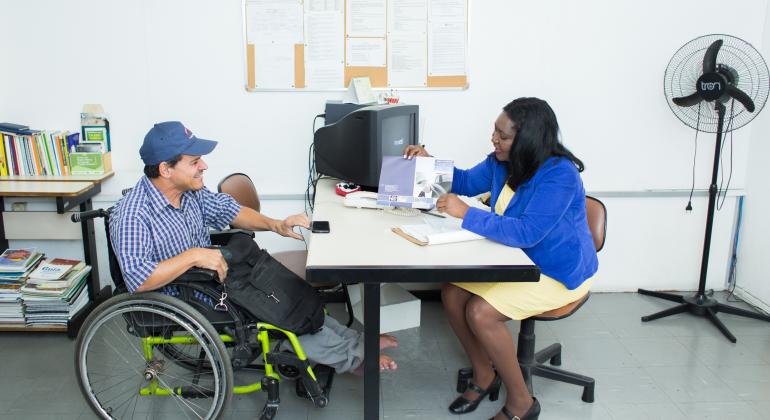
(158, 328)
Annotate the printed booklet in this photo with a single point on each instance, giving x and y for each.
(18, 260)
(415, 183)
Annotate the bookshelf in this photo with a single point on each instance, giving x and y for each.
(70, 193)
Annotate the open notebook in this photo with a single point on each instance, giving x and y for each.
(440, 230)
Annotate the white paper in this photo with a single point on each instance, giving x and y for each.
(274, 65)
(447, 10)
(446, 49)
(407, 61)
(273, 21)
(323, 5)
(407, 16)
(366, 18)
(436, 231)
(324, 35)
(365, 52)
(447, 37)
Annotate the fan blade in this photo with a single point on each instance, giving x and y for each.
(741, 97)
(710, 58)
(685, 101)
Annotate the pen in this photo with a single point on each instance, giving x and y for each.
(433, 214)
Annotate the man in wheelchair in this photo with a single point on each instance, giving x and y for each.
(159, 231)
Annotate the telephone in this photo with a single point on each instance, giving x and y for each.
(362, 200)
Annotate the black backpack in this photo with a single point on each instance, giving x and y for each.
(268, 290)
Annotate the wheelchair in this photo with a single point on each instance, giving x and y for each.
(155, 355)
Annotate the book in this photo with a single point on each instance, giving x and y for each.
(18, 260)
(53, 269)
(415, 183)
(435, 232)
(95, 126)
(60, 287)
(15, 128)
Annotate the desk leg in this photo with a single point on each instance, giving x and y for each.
(371, 351)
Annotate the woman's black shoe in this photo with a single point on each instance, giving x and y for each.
(532, 414)
(462, 405)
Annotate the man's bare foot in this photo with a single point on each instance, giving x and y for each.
(387, 341)
(386, 363)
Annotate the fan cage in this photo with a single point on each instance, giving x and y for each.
(686, 66)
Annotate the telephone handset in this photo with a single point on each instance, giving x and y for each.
(362, 199)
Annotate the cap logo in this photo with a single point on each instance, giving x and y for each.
(188, 133)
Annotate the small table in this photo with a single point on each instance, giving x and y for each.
(360, 248)
(69, 192)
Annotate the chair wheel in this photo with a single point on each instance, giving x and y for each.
(321, 401)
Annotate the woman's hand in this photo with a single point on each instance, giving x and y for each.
(286, 226)
(413, 150)
(452, 205)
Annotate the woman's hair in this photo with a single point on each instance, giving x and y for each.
(536, 139)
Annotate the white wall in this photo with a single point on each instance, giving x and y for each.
(600, 64)
(753, 279)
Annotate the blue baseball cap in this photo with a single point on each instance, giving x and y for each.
(169, 139)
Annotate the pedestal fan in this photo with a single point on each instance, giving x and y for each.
(705, 77)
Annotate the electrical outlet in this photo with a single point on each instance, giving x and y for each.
(19, 206)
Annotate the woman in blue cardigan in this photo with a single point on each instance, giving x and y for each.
(538, 204)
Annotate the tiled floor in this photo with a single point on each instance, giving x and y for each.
(679, 367)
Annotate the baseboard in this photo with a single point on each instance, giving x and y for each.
(752, 300)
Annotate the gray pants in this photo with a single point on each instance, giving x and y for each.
(335, 345)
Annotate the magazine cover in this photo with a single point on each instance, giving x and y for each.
(415, 183)
(17, 257)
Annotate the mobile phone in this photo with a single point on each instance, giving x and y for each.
(319, 226)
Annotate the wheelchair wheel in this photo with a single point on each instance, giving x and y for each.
(124, 368)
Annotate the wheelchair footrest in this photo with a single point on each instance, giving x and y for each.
(319, 389)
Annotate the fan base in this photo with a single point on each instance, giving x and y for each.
(701, 305)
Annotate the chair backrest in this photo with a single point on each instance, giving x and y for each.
(240, 187)
(596, 213)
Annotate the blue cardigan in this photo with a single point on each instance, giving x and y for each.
(546, 217)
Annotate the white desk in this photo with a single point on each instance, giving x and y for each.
(360, 248)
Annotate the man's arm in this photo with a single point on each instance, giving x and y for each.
(168, 270)
(252, 220)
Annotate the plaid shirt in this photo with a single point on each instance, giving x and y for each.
(146, 229)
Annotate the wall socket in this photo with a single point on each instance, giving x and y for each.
(19, 206)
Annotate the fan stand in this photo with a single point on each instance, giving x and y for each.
(700, 304)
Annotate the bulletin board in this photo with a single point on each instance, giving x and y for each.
(322, 44)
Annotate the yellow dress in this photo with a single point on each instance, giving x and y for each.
(519, 300)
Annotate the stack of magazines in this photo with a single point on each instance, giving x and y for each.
(55, 291)
(15, 266)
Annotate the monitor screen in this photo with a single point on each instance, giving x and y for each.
(396, 134)
(352, 148)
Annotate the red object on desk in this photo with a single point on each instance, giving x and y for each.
(345, 188)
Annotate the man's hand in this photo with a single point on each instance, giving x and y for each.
(452, 205)
(210, 259)
(413, 150)
(286, 226)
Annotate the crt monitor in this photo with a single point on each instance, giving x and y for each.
(352, 148)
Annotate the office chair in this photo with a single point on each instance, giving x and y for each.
(533, 363)
(242, 189)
